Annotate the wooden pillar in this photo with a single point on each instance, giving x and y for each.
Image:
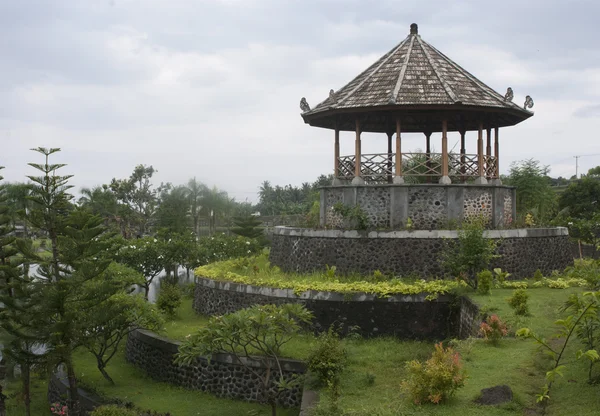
(389, 157)
(357, 157)
(428, 153)
(398, 178)
(445, 179)
(336, 152)
(463, 151)
(488, 151)
(497, 153)
(480, 172)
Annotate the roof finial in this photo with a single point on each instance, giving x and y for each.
(414, 29)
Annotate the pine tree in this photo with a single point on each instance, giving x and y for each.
(15, 306)
(248, 226)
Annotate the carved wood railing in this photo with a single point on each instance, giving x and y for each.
(380, 167)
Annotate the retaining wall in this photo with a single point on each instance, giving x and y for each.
(404, 316)
(429, 206)
(223, 375)
(522, 251)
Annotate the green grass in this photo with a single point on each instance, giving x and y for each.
(133, 385)
(39, 403)
(516, 362)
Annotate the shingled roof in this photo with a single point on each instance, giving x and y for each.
(414, 75)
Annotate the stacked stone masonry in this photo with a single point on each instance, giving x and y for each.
(403, 253)
(403, 316)
(429, 206)
(222, 376)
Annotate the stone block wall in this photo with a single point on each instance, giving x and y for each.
(407, 317)
(402, 253)
(429, 206)
(222, 376)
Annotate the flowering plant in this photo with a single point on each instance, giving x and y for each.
(493, 329)
(59, 409)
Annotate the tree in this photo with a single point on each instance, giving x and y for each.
(260, 329)
(216, 203)
(137, 198)
(80, 251)
(534, 193)
(172, 214)
(147, 256)
(195, 191)
(100, 200)
(582, 198)
(248, 226)
(107, 323)
(17, 201)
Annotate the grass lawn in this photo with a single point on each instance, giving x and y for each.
(515, 362)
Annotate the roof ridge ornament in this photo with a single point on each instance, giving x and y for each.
(304, 105)
(528, 102)
(509, 95)
(332, 96)
(414, 29)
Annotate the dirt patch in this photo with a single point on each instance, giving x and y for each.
(495, 395)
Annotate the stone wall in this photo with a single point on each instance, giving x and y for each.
(429, 206)
(222, 376)
(403, 316)
(521, 251)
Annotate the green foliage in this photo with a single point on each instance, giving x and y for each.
(518, 302)
(313, 218)
(113, 410)
(582, 198)
(258, 271)
(538, 276)
(222, 247)
(262, 330)
(587, 270)
(355, 216)
(493, 329)
(248, 226)
(436, 379)
(484, 282)
(500, 276)
(586, 229)
(471, 253)
(566, 329)
(169, 299)
(289, 200)
(534, 191)
(144, 255)
(327, 361)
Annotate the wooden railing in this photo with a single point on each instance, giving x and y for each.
(380, 167)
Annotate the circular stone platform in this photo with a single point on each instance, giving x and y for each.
(429, 206)
(522, 251)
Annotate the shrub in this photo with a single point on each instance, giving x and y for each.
(327, 361)
(518, 302)
(188, 290)
(538, 276)
(169, 299)
(500, 276)
(437, 378)
(493, 329)
(113, 410)
(471, 253)
(59, 409)
(484, 282)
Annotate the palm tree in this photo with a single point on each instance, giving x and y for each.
(215, 203)
(195, 192)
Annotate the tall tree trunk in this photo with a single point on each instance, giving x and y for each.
(26, 376)
(73, 402)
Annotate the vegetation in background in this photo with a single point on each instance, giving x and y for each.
(518, 302)
(169, 298)
(355, 217)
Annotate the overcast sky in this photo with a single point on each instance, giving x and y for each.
(212, 88)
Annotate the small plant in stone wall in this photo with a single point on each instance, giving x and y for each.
(436, 379)
(253, 334)
(355, 216)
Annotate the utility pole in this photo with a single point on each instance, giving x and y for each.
(576, 166)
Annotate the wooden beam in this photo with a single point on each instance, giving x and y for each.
(497, 152)
(357, 150)
(480, 151)
(444, 148)
(336, 152)
(463, 151)
(398, 148)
